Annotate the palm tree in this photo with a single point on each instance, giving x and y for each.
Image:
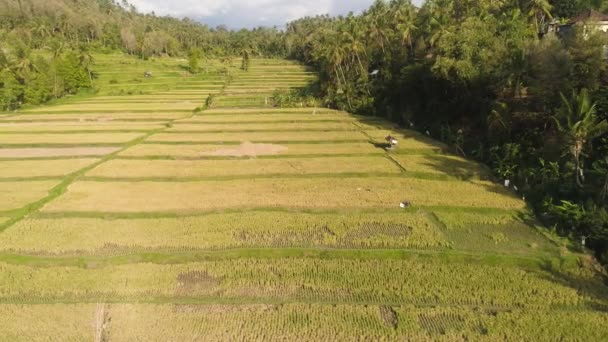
(406, 19)
(539, 10)
(578, 121)
(86, 60)
(377, 31)
(23, 64)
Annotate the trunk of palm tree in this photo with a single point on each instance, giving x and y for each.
(577, 151)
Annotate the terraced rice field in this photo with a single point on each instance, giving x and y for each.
(134, 216)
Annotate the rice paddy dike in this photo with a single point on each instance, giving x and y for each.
(140, 214)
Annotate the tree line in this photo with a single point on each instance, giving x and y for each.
(490, 79)
(47, 47)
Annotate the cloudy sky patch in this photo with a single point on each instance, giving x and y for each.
(249, 13)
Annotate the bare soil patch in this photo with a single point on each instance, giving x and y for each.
(248, 149)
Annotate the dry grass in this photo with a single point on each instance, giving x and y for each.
(318, 322)
(319, 126)
(294, 193)
(100, 107)
(226, 230)
(294, 322)
(78, 126)
(319, 111)
(75, 138)
(459, 219)
(42, 168)
(416, 281)
(48, 322)
(55, 152)
(269, 118)
(18, 194)
(94, 117)
(442, 164)
(212, 168)
(407, 139)
(193, 151)
(257, 137)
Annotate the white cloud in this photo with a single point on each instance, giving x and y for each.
(249, 13)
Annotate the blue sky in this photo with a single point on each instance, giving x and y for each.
(249, 13)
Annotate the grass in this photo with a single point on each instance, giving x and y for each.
(300, 239)
(202, 151)
(223, 231)
(302, 322)
(51, 153)
(16, 195)
(429, 282)
(78, 127)
(257, 137)
(42, 168)
(108, 107)
(271, 118)
(442, 164)
(305, 126)
(51, 322)
(339, 192)
(99, 117)
(214, 168)
(51, 139)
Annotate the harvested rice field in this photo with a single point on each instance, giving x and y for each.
(36, 127)
(50, 152)
(441, 164)
(224, 230)
(276, 136)
(42, 168)
(218, 168)
(271, 118)
(94, 117)
(16, 195)
(304, 193)
(138, 214)
(50, 139)
(294, 126)
(248, 149)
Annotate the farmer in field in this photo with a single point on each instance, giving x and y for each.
(392, 141)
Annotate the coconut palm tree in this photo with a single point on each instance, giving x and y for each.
(539, 10)
(86, 59)
(375, 22)
(578, 121)
(405, 18)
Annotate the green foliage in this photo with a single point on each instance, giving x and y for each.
(10, 91)
(29, 78)
(107, 26)
(193, 60)
(486, 77)
(294, 98)
(72, 74)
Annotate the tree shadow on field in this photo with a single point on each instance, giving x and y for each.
(456, 167)
(593, 286)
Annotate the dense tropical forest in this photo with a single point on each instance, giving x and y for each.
(487, 77)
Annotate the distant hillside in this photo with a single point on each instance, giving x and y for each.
(109, 25)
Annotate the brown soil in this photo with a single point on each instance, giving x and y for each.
(55, 152)
(248, 149)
